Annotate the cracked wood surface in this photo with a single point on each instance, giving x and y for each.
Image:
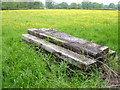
(67, 55)
(67, 41)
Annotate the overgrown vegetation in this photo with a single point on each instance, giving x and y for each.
(22, 66)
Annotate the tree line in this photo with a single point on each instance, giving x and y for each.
(50, 4)
(22, 5)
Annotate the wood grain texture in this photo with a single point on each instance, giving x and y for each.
(67, 41)
(67, 55)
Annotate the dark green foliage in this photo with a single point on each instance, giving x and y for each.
(112, 6)
(21, 5)
(73, 6)
(50, 4)
(62, 5)
(38, 5)
(85, 5)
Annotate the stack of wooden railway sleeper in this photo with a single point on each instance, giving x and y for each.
(74, 50)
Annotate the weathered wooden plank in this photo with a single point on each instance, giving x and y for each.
(65, 54)
(70, 42)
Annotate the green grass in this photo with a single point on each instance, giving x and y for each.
(22, 66)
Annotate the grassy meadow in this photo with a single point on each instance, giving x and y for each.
(22, 66)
